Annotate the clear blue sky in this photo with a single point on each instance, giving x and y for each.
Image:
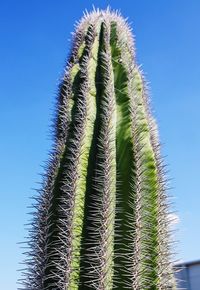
(34, 44)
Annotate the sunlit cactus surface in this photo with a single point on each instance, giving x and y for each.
(101, 219)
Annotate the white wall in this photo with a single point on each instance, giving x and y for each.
(194, 276)
(189, 276)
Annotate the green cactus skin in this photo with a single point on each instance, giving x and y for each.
(102, 214)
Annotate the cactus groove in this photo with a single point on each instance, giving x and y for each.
(102, 213)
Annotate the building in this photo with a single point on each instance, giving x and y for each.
(188, 276)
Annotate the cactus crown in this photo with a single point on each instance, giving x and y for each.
(101, 219)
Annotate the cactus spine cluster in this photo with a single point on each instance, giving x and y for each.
(102, 213)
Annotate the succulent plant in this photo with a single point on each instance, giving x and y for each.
(101, 219)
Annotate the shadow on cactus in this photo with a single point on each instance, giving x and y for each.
(102, 213)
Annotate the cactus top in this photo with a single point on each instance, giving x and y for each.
(101, 220)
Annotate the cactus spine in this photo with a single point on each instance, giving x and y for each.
(101, 219)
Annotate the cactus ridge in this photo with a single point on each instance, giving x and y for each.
(101, 219)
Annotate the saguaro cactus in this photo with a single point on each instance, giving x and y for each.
(102, 213)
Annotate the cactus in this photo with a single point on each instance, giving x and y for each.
(102, 214)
